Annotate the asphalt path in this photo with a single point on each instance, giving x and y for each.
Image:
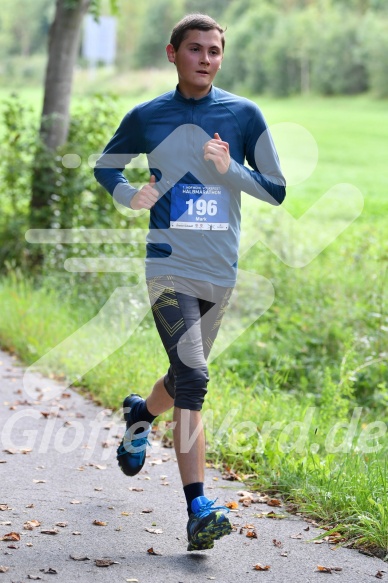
(68, 514)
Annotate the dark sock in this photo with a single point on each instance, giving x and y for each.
(192, 491)
(141, 413)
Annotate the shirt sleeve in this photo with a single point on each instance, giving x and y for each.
(124, 146)
(265, 180)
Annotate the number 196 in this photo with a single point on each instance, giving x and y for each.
(202, 207)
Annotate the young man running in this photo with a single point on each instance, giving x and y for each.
(196, 139)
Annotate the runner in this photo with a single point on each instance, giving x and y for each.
(196, 139)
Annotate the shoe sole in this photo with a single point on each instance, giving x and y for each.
(204, 539)
(132, 472)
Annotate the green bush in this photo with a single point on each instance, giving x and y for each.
(18, 130)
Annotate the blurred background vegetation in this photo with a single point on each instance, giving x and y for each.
(281, 47)
(322, 64)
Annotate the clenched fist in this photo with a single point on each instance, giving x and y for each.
(146, 197)
(218, 151)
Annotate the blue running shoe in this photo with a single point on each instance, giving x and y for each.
(206, 524)
(131, 452)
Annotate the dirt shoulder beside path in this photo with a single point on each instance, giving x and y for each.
(63, 496)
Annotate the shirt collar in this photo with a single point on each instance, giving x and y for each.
(191, 101)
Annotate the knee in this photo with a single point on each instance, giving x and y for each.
(191, 389)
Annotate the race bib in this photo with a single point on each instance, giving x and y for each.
(199, 207)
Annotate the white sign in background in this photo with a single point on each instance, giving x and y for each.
(99, 40)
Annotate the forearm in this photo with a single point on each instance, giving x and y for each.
(113, 180)
(271, 189)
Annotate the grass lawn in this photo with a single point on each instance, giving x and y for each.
(299, 399)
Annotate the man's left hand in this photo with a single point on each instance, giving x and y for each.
(218, 151)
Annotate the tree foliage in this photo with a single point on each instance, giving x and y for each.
(323, 46)
(276, 46)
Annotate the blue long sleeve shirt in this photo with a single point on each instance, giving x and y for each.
(194, 227)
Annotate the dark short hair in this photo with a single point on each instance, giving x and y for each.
(195, 21)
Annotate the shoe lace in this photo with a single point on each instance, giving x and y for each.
(208, 507)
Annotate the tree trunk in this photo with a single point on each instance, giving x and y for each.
(63, 46)
(62, 55)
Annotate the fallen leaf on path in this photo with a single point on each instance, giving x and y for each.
(30, 506)
(5, 523)
(107, 444)
(49, 571)
(154, 530)
(31, 524)
(277, 543)
(274, 502)
(307, 528)
(105, 562)
(98, 489)
(3, 461)
(76, 533)
(251, 534)
(328, 569)
(34, 577)
(12, 536)
(335, 537)
(298, 536)
(26, 450)
(3, 569)
(379, 574)
(260, 567)
(147, 511)
(39, 481)
(5, 507)
(75, 502)
(99, 523)
(271, 514)
(51, 531)
(155, 462)
(134, 489)
(231, 475)
(61, 524)
(167, 442)
(132, 580)
(29, 545)
(284, 554)
(233, 505)
(151, 551)
(79, 558)
(10, 451)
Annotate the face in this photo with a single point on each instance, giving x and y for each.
(197, 61)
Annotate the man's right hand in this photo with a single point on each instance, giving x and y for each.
(146, 197)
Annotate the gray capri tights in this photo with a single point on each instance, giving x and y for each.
(187, 315)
